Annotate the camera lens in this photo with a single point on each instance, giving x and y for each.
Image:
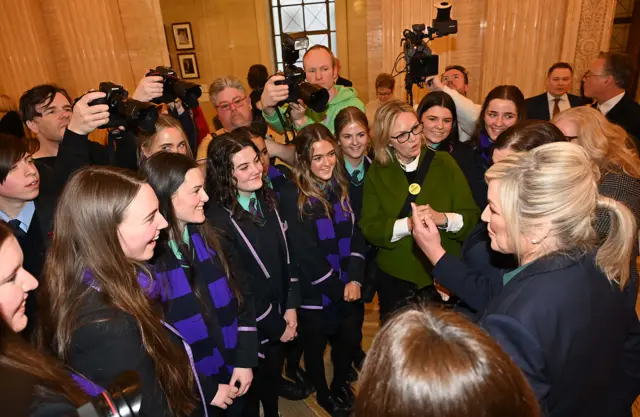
(315, 97)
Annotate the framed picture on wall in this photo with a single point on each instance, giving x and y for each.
(182, 35)
(188, 65)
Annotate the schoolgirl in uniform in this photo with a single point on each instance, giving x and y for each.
(328, 247)
(208, 300)
(352, 133)
(100, 310)
(246, 210)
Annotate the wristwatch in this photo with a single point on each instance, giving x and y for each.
(446, 223)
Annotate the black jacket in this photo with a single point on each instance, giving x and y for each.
(274, 294)
(472, 166)
(109, 342)
(476, 278)
(573, 334)
(627, 114)
(538, 106)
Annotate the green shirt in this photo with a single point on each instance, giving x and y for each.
(509, 275)
(174, 246)
(345, 97)
(351, 169)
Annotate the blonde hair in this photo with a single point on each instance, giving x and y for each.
(383, 123)
(556, 185)
(607, 144)
(165, 121)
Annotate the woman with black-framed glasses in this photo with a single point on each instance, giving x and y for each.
(405, 166)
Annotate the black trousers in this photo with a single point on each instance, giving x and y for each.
(393, 294)
(294, 353)
(266, 382)
(338, 324)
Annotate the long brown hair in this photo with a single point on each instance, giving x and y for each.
(504, 92)
(308, 185)
(90, 208)
(18, 355)
(436, 363)
(166, 172)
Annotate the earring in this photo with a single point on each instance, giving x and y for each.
(535, 241)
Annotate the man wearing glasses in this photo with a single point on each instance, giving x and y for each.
(385, 85)
(607, 80)
(233, 108)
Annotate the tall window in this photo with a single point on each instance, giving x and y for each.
(316, 18)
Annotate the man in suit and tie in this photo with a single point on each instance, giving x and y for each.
(557, 97)
(607, 80)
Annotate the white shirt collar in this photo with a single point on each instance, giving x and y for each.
(609, 104)
(411, 166)
(563, 97)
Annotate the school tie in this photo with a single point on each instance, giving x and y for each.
(556, 107)
(17, 230)
(253, 208)
(354, 178)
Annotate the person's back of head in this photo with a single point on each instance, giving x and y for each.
(608, 144)
(257, 76)
(436, 363)
(527, 135)
(621, 67)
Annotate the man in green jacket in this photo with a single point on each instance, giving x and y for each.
(320, 67)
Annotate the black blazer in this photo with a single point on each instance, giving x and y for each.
(538, 106)
(573, 334)
(109, 342)
(627, 114)
(272, 296)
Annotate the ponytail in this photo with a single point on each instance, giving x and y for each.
(614, 254)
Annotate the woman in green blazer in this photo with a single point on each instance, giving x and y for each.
(444, 195)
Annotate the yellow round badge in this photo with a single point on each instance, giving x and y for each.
(414, 189)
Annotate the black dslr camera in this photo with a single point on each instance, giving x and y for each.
(174, 88)
(122, 399)
(124, 111)
(421, 62)
(315, 97)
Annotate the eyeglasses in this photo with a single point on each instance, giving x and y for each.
(235, 103)
(404, 136)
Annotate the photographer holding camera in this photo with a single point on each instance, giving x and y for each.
(320, 67)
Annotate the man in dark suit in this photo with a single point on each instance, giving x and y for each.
(557, 97)
(607, 80)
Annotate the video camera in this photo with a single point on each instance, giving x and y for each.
(122, 399)
(420, 61)
(314, 96)
(175, 88)
(124, 111)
